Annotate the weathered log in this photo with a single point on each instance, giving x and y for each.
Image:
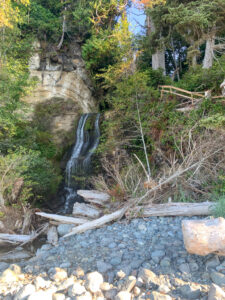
(98, 222)
(94, 196)
(15, 238)
(62, 219)
(82, 209)
(174, 209)
(203, 237)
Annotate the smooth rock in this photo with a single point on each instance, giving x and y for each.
(41, 283)
(218, 278)
(3, 266)
(63, 229)
(163, 289)
(136, 291)
(105, 286)
(158, 296)
(111, 294)
(8, 276)
(76, 289)
(103, 267)
(94, 281)
(52, 235)
(165, 262)
(123, 296)
(129, 284)
(216, 293)
(65, 284)
(58, 296)
(25, 291)
(212, 262)
(189, 292)
(58, 275)
(148, 276)
(184, 268)
(40, 295)
(86, 296)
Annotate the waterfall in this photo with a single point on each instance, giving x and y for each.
(79, 164)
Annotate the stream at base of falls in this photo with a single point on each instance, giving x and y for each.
(78, 167)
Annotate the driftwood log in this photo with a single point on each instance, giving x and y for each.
(62, 219)
(82, 209)
(15, 238)
(94, 196)
(203, 237)
(174, 209)
(98, 222)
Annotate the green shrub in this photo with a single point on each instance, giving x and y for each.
(219, 209)
(40, 179)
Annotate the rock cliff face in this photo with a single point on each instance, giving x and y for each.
(63, 91)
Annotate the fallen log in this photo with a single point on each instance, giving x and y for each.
(15, 238)
(203, 237)
(174, 209)
(98, 222)
(94, 196)
(82, 209)
(62, 219)
(22, 239)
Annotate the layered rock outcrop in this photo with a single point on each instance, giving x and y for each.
(63, 90)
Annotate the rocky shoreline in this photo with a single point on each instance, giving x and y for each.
(142, 259)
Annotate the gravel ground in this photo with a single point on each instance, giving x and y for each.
(143, 259)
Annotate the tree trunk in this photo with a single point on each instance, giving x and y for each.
(158, 58)
(208, 58)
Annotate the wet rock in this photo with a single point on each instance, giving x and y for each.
(216, 293)
(94, 281)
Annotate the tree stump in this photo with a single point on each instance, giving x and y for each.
(203, 237)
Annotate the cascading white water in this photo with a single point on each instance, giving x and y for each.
(87, 140)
